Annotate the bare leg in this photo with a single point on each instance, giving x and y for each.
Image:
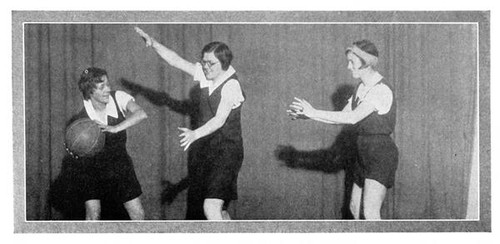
(134, 209)
(93, 209)
(225, 215)
(213, 208)
(355, 204)
(374, 194)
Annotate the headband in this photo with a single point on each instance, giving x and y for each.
(371, 60)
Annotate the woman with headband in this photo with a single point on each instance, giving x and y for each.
(372, 109)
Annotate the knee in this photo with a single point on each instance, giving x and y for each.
(92, 210)
(354, 207)
(225, 215)
(210, 207)
(135, 209)
(137, 214)
(213, 209)
(93, 215)
(371, 213)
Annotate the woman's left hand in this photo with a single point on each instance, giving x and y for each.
(301, 107)
(188, 137)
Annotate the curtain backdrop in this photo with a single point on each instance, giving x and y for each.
(292, 169)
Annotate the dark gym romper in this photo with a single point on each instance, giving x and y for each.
(108, 176)
(377, 152)
(217, 158)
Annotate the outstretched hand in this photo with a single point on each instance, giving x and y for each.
(145, 36)
(294, 115)
(300, 109)
(188, 137)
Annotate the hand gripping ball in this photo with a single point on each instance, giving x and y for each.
(84, 138)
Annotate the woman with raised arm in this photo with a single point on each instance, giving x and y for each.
(372, 109)
(218, 143)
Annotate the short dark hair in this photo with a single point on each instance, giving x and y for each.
(366, 46)
(89, 79)
(221, 52)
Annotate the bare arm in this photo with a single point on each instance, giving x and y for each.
(171, 57)
(136, 115)
(347, 116)
(347, 108)
(223, 110)
(293, 113)
(217, 121)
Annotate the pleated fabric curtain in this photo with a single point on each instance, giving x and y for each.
(431, 67)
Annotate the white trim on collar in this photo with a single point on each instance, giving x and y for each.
(212, 85)
(230, 71)
(110, 109)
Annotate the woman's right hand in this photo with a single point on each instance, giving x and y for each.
(295, 115)
(145, 36)
(300, 109)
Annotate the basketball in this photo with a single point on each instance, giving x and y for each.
(84, 138)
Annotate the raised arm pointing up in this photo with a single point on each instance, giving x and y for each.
(171, 57)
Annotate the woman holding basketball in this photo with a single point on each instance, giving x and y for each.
(372, 109)
(217, 143)
(108, 176)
